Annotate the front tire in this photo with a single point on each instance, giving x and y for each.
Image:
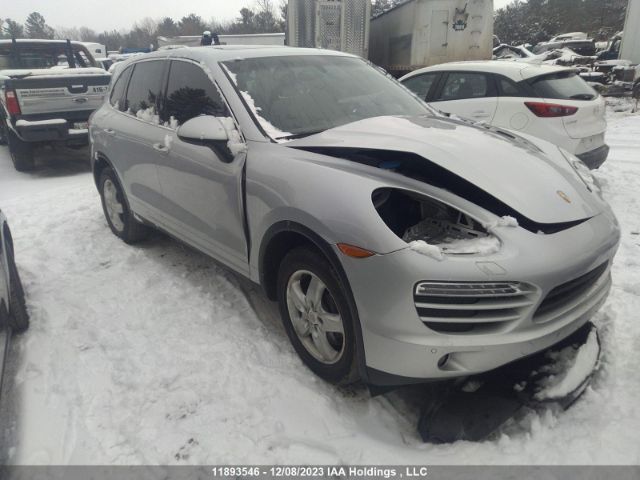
(18, 314)
(21, 152)
(317, 317)
(116, 210)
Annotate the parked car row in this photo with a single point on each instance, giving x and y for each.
(401, 245)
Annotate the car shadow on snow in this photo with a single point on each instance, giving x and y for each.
(405, 404)
(60, 161)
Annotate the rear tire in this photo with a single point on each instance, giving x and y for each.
(116, 210)
(3, 132)
(320, 327)
(18, 314)
(21, 152)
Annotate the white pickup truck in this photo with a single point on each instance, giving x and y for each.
(48, 90)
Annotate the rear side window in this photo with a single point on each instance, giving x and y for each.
(119, 91)
(563, 86)
(460, 85)
(508, 88)
(420, 84)
(190, 93)
(145, 90)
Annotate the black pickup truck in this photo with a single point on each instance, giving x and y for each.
(48, 90)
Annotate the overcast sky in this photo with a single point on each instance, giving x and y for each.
(120, 14)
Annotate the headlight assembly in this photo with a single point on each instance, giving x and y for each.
(432, 228)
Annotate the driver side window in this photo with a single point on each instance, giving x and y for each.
(190, 93)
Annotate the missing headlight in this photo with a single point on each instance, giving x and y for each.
(431, 227)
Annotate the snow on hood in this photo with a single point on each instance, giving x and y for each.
(512, 169)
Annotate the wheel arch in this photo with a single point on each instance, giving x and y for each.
(98, 165)
(280, 239)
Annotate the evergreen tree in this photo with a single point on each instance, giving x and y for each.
(13, 29)
(168, 28)
(36, 27)
(192, 24)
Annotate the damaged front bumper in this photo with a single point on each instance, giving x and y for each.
(594, 158)
(559, 293)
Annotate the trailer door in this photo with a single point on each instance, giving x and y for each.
(439, 30)
(329, 25)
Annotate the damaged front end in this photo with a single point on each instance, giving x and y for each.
(431, 227)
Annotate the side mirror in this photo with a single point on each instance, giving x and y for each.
(203, 130)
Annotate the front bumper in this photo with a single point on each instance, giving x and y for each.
(51, 130)
(401, 348)
(594, 158)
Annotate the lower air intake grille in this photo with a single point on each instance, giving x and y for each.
(463, 307)
(568, 292)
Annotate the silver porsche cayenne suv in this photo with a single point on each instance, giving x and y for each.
(401, 245)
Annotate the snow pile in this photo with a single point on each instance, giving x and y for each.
(149, 115)
(168, 141)
(505, 221)
(271, 130)
(235, 144)
(426, 249)
(570, 368)
(33, 123)
(53, 73)
(478, 246)
(172, 123)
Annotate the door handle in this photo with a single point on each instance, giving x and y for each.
(110, 131)
(160, 147)
(480, 114)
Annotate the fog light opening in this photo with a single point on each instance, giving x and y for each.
(443, 361)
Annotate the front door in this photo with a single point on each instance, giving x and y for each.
(202, 189)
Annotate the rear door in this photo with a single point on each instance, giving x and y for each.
(470, 95)
(133, 137)
(202, 190)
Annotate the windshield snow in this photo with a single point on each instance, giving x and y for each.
(302, 95)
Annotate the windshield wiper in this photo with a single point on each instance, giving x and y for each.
(293, 136)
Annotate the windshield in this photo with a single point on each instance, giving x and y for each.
(43, 56)
(563, 86)
(295, 96)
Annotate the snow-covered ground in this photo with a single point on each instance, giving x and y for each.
(152, 354)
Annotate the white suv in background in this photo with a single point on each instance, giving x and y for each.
(552, 103)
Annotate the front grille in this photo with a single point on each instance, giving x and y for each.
(463, 307)
(568, 292)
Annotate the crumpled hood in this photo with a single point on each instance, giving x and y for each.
(542, 187)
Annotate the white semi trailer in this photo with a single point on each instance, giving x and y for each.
(630, 48)
(333, 24)
(420, 33)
